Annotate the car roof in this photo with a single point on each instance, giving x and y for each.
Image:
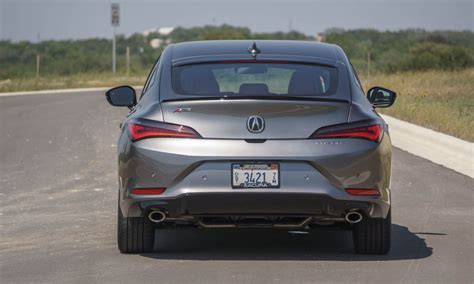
(266, 47)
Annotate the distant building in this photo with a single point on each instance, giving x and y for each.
(159, 30)
(156, 43)
(321, 37)
(162, 32)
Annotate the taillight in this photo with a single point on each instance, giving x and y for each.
(148, 191)
(363, 191)
(139, 129)
(372, 132)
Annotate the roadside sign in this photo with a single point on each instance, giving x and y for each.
(115, 14)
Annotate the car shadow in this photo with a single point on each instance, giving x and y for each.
(260, 244)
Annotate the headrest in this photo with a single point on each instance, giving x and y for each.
(199, 82)
(253, 89)
(305, 83)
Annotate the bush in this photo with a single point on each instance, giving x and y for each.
(429, 55)
(390, 51)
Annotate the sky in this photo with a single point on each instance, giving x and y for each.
(35, 20)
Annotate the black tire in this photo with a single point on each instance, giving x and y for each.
(134, 235)
(372, 235)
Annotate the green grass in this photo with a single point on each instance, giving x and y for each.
(439, 100)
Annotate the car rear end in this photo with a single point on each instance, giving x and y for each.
(267, 141)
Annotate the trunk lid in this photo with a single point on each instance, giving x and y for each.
(283, 119)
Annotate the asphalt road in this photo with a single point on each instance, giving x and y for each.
(58, 215)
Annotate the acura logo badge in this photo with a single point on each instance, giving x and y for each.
(255, 124)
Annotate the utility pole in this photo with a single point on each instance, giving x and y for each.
(128, 60)
(115, 18)
(113, 53)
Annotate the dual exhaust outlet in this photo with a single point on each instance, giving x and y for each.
(157, 216)
(351, 217)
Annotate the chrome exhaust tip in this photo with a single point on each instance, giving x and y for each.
(156, 216)
(353, 217)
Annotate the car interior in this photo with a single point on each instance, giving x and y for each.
(203, 82)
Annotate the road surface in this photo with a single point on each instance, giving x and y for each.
(58, 215)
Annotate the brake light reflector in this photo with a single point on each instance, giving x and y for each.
(139, 129)
(370, 132)
(148, 191)
(363, 191)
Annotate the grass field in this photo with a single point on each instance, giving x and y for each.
(439, 100)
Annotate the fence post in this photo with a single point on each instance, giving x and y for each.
(368, 64)
(128, 61)
(38, 60)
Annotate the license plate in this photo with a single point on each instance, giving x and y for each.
(255, 175)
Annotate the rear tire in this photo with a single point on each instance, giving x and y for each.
(373, 235)
(134, 235)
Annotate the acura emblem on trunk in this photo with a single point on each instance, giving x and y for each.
(255, 124)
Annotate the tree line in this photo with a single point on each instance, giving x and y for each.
(385, 51)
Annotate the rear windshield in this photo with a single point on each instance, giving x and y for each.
(249, 78)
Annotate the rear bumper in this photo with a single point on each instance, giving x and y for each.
(263, 204)
(197, 176)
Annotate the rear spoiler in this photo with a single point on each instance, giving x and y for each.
(262, 57)
(271, 97)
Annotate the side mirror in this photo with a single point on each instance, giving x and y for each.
(381, 97)
(123, 96)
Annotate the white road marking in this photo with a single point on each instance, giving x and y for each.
(60, 91)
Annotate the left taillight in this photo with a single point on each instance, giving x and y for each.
(368, 131)
(139, 129)
(148, 191)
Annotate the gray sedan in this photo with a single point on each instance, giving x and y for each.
(243, 134)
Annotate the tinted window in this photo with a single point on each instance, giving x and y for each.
(248, 78)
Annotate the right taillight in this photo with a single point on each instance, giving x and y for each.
(363, 191)
(140, 129)
(372, 132)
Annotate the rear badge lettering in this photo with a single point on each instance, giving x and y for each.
(328, 143)
(183, 109)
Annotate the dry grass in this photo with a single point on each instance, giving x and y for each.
(88, 80)
(439, 100)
